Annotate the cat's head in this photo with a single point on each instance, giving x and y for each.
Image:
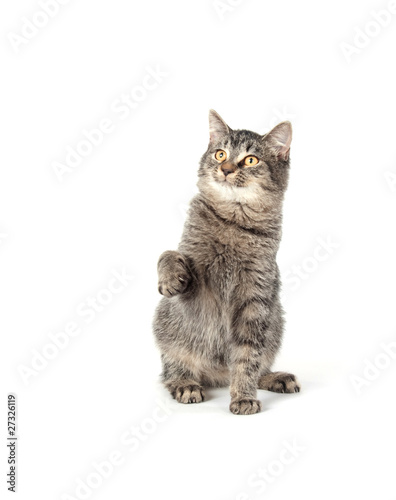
(242, 166)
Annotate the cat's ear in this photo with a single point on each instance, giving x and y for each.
(279, 140)
(217, 126)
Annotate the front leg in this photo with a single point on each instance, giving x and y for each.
(173, 274)
(248, 326)
(245, 368)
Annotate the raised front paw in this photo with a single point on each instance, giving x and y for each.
(173, 275)
(245, 406)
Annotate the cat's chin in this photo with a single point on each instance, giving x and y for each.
(226, 191)
(225, 184)
(226, 181)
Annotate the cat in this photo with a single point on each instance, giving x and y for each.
(220, 320)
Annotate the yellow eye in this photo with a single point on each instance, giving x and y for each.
(251, 161)
(220, 155)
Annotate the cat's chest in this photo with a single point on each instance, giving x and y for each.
(222, 254)
(225, 260)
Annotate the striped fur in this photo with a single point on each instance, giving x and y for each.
(220, 321)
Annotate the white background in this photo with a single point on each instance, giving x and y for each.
(256, 63)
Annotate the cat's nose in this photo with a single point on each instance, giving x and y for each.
(227, 169)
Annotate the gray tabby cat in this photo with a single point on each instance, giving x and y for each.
(220, 321)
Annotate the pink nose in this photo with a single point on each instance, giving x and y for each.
(227, 169)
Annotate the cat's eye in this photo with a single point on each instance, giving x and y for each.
(220, 155)
(251, 161)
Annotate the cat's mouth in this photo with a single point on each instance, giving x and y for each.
(229, 179)
(231, 182)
